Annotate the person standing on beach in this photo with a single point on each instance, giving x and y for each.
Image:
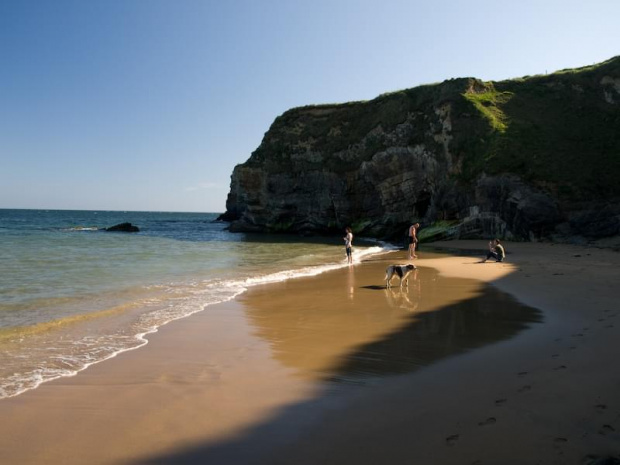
(413, 240)
(496, 251)
(348, 242)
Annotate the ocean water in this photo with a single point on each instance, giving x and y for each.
(72, 295)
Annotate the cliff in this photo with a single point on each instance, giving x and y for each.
(518, 159)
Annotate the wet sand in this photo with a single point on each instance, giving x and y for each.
(336, 369)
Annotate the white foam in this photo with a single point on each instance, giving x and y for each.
(82, 228)
(186, 301)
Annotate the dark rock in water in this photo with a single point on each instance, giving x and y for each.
(123, 227)
(226, 216)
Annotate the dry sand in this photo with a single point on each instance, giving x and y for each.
(336, 370)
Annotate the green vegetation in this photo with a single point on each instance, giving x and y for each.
(489, 104)
(436, 231)
(359, 126)
(360, 225)
(559, 131)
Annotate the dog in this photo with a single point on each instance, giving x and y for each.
(402, 271)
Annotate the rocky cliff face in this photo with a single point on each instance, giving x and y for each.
(517, 159)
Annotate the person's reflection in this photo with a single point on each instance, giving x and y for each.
(350, 283)
(407, 297)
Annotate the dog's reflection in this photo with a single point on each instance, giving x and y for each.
(402, 271)
(407, 298)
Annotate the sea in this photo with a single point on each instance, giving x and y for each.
(73, 294)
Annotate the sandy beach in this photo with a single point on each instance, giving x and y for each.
(472, 363)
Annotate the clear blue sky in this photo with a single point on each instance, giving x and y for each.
(149, 104)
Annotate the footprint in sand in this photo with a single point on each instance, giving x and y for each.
(500, 402)
(451, 440)
(525, 388)
(561, 367)
(555, 355)
(560, 440)
(521, 374)
(488, 421)
(600, 408)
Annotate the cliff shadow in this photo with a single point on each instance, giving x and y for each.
(399, 332)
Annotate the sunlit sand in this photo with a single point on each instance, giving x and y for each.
(337, 369)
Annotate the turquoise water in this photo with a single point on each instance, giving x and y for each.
(72, 295)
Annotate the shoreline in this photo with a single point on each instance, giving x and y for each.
(549, 395)
(94, 355)
(546, 394)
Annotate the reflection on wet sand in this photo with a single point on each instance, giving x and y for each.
(364, 331)
(407, 298)
(490, 317)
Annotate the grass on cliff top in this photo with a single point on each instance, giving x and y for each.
(334, 128)
(559, 131)
(489, 105)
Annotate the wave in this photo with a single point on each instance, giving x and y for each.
(51, 357)
(82, 228)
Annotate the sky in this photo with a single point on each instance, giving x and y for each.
(150, 104)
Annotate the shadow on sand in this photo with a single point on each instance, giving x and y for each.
(423, 338)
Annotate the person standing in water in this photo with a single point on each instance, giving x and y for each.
(413, 240)
(348, 242)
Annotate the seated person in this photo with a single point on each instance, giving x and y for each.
(496, 251)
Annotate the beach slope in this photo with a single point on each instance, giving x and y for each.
(473, 362)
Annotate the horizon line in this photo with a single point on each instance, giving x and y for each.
(108, 210)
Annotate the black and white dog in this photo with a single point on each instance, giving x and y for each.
(402, 271)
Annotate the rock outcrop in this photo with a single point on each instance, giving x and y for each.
(520, 159)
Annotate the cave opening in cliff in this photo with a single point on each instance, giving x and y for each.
(423, 202)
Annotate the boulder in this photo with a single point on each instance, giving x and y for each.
(123, 227)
